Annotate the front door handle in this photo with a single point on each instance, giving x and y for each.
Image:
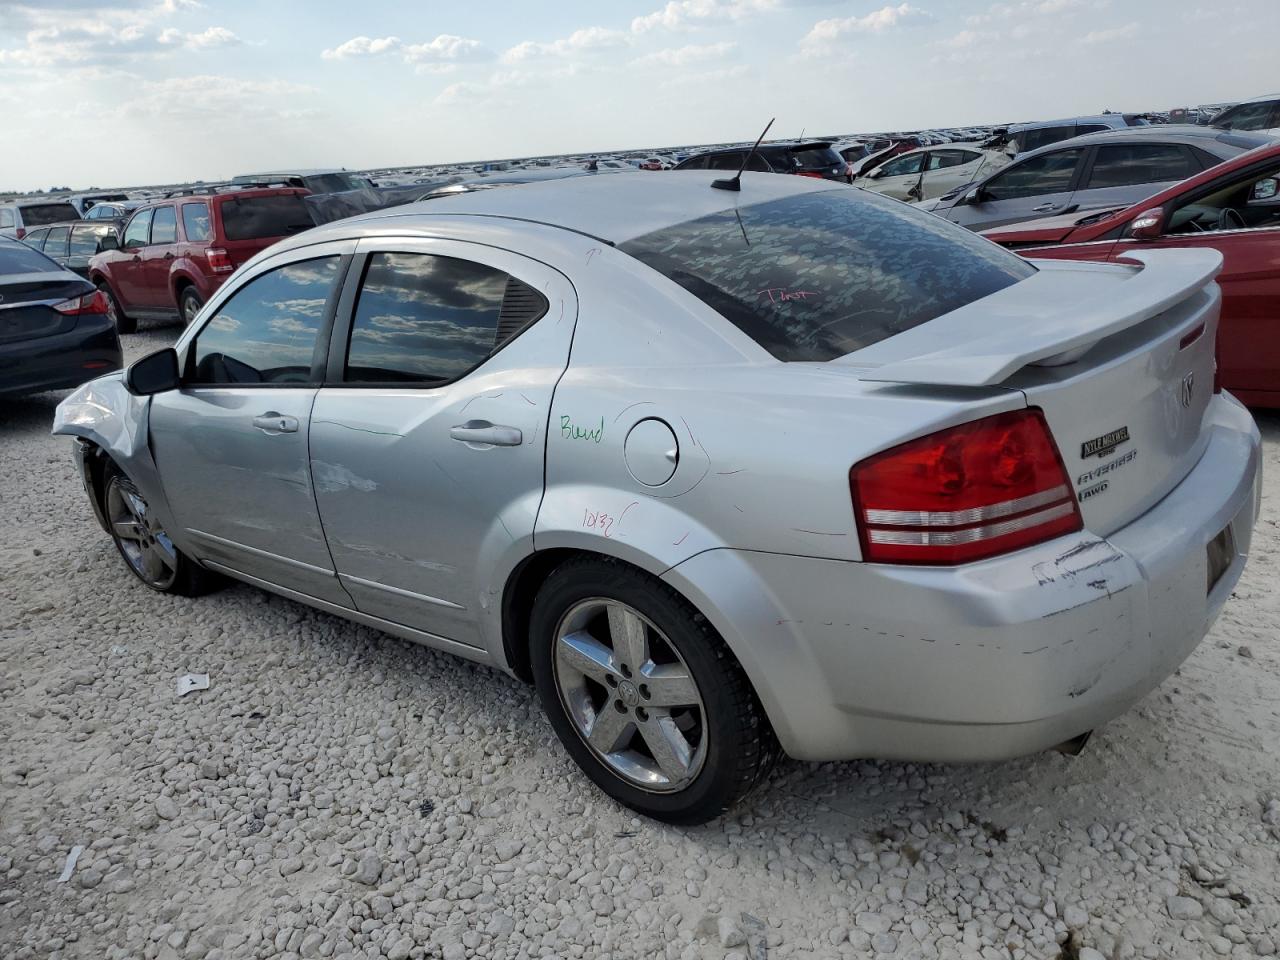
(272, 422)
(168, 256)
(1044, 208)
(482, 431)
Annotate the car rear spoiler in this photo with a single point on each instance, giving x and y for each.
(992, 338)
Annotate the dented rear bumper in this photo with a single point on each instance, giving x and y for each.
(993, 659)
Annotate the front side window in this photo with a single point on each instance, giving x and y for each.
(195, 222)
(138, 230)
(1123, 165)
(266, 333)
(85, 237)
(1049, 173)
(1246, 202)
(55, 245)
(429, 320)
(819, 275)
(164, 225)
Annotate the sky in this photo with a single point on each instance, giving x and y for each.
(129, 92)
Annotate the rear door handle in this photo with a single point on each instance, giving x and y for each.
(482, 431)
(273, 422)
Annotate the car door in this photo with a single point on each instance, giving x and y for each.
(55, 244)
(157, 256)
(84, 245)
(1120, 174)
(126, 266)
(428, 437)
(231, 443)
(898, 177)
(946, 170)
(1039, 186)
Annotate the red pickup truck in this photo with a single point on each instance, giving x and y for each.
(174, 253)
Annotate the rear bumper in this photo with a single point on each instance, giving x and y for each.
(993, 659)
(64, 360)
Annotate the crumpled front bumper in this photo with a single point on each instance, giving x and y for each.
(993, 659)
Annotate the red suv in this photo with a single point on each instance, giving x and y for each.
(174, 253)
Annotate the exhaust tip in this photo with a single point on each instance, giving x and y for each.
(1074, 746)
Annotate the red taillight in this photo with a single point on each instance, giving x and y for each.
(966, 493)
(219, 260)
(20, 232)
(809, 173)
(95, 302)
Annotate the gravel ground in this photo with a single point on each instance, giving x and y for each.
(336, 792)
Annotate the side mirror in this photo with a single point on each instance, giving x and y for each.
(155, 373)
(973, 196)
(1266, 189)
(108, 242)
(1148, 225)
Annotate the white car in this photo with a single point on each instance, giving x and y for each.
(931, 171)
(718, 471)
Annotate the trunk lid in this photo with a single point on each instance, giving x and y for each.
(1121, 362)
(26, 304)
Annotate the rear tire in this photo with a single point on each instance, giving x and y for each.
(679, 734)
(189, 304)
(143, 544)
(123, 323)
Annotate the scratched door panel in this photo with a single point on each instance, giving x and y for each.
(423, 520)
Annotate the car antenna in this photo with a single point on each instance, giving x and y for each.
(735, 183)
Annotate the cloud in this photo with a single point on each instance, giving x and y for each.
(1114, 33)
(1030, 8)
(686, 14)
(205, 40)
(445, 49)
(585, 40)
(706, 78)
(686, 55)
(826, 36)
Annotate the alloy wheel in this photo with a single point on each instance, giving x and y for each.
(141, 538)
(630, 695)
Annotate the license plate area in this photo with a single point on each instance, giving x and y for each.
(1221, 552)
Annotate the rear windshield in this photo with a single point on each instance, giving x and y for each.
(816, 158)
(255, 218)
(19, 258)
(819, 275)
(41, 213)
(334, 182)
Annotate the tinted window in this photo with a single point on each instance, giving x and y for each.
(164, 225)
(195, 221)
(941, 159)
(1083, 128)
(725, 161)
(695, 163)
(84, 239)
(254, 218)
(334, 182)
(35, 239)
(1121, 165)
(1042, 137)
(6, 217)
(17, 258)
(819, 275)
(139, 228)
(815, 158)
(1050, 173)
(900, 166)
(1247, 116)
(33, 215)
(266, 332)
(429, 319)
(55, 245)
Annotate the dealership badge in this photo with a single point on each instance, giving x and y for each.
(1105, 444)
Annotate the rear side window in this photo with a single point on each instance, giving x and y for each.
(256, 218)
(84, 239)
(164, 225)
(820, 275)
(1122, 165)
(55, 245)
(35, 239)
(19, 258)
(195, 222)
(266, 332)
(1083, 128)
(6, 217)
(429, 320)
(901, 166)
(1051, 173)
(37, 214)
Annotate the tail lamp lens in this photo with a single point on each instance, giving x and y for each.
(219, 260)
(95, 302)
(965, 493)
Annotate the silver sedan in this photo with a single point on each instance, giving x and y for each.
(723, 473)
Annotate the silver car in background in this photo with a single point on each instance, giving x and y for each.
(721, 472)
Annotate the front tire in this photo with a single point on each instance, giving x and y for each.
(644, 694)
(147, 550)
(123, 323)
(189, 304)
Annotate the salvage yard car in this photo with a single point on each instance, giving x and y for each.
(173, 254)
(54, 328)
(1233, 209)
(720, 472)
(931, 172)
